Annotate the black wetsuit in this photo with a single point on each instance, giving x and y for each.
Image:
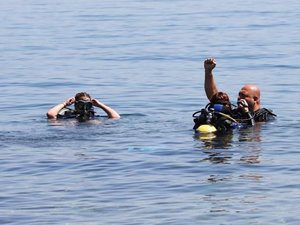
(263, 115)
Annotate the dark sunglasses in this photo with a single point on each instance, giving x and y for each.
(84, 104)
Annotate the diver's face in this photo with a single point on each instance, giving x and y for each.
(82, 105)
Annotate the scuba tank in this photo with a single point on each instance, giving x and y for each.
(215, 117)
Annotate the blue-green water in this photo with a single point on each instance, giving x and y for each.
(145, 60)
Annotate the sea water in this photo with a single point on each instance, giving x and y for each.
(145, 60)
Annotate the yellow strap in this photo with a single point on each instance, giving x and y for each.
(229, 117)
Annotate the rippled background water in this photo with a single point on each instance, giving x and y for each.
(145, 60)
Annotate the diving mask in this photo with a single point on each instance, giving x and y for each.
(84, 104)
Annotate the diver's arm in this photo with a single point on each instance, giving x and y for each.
(109, 111)
(209, 82)
(53, 112)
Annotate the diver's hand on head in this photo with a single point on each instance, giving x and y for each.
(242, 104)
(209, 64)
(96, 102)
(69, 101)
(109, 111)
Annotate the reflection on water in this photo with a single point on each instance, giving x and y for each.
(250, 176)
(251, 134)
(216, 140)
(237, 204)
(233, 156)
(218, 145)
(64, 122)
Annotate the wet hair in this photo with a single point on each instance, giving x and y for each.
(82, 94)
(220, 98)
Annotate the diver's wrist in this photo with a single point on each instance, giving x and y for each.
(208, 72)
(64, 104)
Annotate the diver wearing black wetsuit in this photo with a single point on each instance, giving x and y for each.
(84, 108)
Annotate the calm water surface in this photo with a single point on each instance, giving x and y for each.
(145, 60)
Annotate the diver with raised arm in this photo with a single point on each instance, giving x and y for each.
(84, 109)
(220, 114)
(249, 95)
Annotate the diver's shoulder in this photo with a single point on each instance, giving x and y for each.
(264, 115)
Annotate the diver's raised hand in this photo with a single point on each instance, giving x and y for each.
(53, 112)
(209, 82)
(110, 112)
(96, 102)
(69, 101)
(210, 64)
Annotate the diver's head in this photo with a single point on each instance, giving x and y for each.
(220, 98)
(251, 94)
(83, 103)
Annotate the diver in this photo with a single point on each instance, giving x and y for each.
(250, 93)
(84, 110)
(222, 116)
